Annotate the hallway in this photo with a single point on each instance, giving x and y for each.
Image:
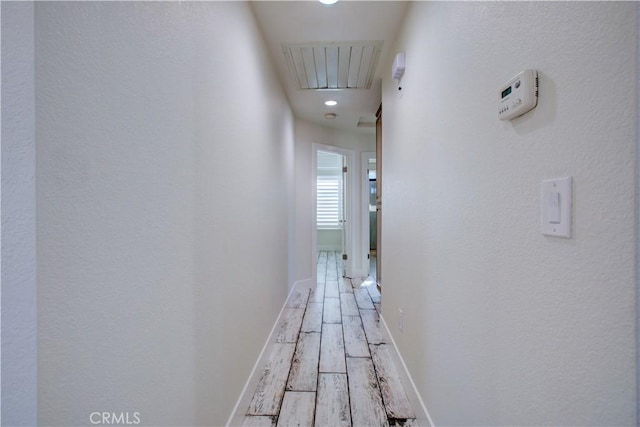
(157, 208)
(331, 364)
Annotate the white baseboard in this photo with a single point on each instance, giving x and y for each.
(237, 414)
(303, 284)
(422, 415)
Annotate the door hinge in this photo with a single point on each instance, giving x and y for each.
(344, 257)
(344, 169)
(368, 256)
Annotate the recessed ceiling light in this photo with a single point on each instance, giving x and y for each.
(330, 103)
(330, 116)
(328, 1)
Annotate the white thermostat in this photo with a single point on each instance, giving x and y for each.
(518, 95)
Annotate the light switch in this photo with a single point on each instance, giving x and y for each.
(554, 208)
(557, 207)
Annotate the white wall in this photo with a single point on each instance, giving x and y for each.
(638, 242)
(503, 325)
(165, 160)
(307, 134)
(19, 325)
(330, 240)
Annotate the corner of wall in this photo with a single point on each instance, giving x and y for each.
(18, 262)
(637, 220)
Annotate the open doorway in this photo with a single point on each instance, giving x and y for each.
(378, 197)
(331, 206)
(371, 209)
(369, 242)
(369, 217)
(333, 190)
(372, 218)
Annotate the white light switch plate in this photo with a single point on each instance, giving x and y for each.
(557, 206)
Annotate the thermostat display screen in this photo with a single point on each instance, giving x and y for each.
(518, 95)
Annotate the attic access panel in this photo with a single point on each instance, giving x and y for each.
(334, 65)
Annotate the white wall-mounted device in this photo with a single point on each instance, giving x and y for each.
(518, 95)
(397, 71)
(557, 205)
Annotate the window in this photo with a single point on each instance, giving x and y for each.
(329, 202)
(329, 191)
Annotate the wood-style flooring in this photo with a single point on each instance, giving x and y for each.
(331, 364)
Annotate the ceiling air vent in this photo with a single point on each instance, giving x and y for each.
(335, 65)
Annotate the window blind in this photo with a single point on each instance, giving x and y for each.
(329, 191)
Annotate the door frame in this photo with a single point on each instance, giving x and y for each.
(364, 218)
(379, 197)
(350, 243)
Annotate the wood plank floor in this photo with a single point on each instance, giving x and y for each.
(331, 364)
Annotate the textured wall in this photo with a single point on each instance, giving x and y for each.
(19, 329)
(165, 158)
(503, 325)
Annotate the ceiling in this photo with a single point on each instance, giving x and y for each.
(314, 45)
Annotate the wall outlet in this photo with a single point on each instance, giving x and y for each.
(400, 319)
